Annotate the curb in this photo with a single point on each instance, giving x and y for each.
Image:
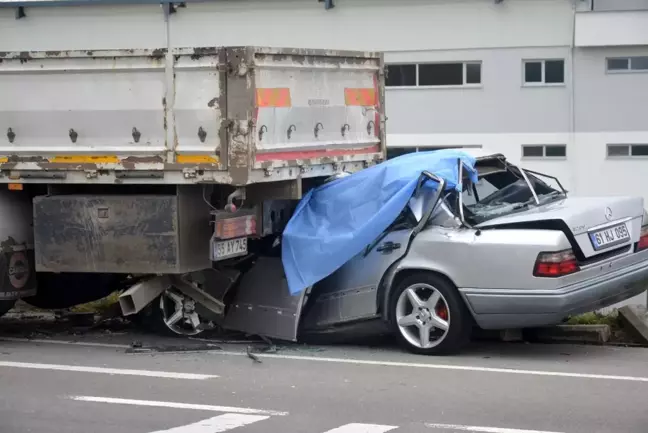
(593, 334)
(636, 319)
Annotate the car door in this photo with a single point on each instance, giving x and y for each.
(350, 293)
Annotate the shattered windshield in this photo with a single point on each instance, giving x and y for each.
(502, 190)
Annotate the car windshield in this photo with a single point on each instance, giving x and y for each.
(502, 190)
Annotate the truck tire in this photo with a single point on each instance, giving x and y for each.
(5, 306)
(66, 290)
(428, 315)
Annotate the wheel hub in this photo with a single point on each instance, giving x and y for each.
(424, 315)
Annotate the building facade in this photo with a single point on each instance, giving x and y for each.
(560, 86)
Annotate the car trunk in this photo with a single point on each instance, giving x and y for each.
(594, 225)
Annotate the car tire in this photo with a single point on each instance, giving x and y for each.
(410, 323)
(5, 306)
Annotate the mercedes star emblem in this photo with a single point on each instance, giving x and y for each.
(608, 213)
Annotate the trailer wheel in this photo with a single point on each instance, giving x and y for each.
(175, 314)
(5, 306)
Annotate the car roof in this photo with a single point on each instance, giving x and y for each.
(481, 153)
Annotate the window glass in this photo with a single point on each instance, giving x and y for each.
(620, 64)
(532, 151)
(555, 71)
(533, 72)
(473, 73)
(618, 150)
(640, 150)
(639, 63)
(401, 75)
(441, 74)
(555, 151)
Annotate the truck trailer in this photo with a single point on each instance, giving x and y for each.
(170, 172)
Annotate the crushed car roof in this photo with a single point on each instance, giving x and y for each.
(336, 221)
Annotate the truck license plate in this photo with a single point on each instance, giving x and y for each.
(230, 248)
(610, 236)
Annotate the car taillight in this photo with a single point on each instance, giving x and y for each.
(553, 265)
(643, 239)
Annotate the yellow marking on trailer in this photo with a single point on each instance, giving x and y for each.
(86, 159)
(197, 159)
(3, 159)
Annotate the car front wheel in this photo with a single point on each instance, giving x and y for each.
(428, 315)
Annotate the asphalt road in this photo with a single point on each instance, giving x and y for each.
(494, 388)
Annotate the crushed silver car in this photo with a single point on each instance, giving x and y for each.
(513, 250)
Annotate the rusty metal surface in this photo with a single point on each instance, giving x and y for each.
(122, 233)
(198, 128)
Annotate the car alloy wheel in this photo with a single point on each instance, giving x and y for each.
(428, 315)
(179, 313)
(422, 315)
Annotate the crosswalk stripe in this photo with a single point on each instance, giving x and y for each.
(177, 405)
(362, 428)
(216, 424)
(478, 429)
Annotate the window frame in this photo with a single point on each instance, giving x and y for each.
(628, 155)
(464, 75)
(624, 71)
(543, 67)
(544, 156)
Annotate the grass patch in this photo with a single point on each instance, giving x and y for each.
(99, 306)
(613, 320)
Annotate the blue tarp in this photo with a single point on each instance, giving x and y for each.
(336, 221)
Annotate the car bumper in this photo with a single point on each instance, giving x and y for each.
(501, 309)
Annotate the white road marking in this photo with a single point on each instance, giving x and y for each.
(216, 424)
(362, 428)
(103, 370)
(176, 405)
(381, 363)
(476, 429)
(441, 366)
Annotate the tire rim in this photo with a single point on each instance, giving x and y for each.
(179, 313)
(422, 316)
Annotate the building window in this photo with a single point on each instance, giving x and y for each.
(627, 64)
(627, 150)
(544, 151)
(434, 74)
(401, 75)
(537, 72)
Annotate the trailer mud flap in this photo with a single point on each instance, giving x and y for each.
(263, 304)
(17, 274)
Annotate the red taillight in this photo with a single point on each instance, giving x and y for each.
(643, 239)
(237, 227)
(553, 265)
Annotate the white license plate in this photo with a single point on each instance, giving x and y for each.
(610, 236)
(230, 248)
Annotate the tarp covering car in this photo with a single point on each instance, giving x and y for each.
(335, 221)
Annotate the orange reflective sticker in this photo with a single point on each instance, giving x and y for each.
(279, 97)
(365, 97)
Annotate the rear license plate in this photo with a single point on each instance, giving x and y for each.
(230, 248)
(610, 236)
